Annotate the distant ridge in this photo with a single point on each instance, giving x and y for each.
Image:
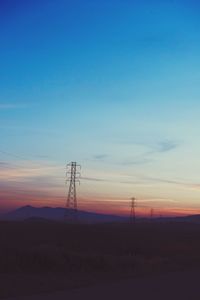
(57, 214)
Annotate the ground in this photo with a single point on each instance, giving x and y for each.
(40, 258)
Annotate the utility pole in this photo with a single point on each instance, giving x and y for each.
(132, 213)
(72, 176)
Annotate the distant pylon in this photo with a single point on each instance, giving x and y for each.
(132, 213)
(72, 176)
(151, 214)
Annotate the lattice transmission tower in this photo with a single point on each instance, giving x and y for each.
(72, 176)
(151, 214)
(132, 213)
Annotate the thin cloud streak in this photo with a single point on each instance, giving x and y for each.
(179, 183)
(8, 106)
(137, 161)
(117, 181)
(100, 157)
(155, 148)
(166, 146)
(156, 200)
(11, 171)
(94, 179)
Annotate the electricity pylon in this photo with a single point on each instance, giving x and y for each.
(151, 214)
(132, 213)
(72, 176)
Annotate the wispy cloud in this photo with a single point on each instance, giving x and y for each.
(100, 156)
(27, 171)
(137, 161)
(183, 184)
(31, 182)
(137, 149)
(159, 200)
(7, 106)
(152, 144)
(149, 152)
(119, 180)
(93, 179)
(154, 149)
(18, 195)
(4, 165)
(143, 180)
(165, 146)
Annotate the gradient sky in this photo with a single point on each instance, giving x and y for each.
(111, 84)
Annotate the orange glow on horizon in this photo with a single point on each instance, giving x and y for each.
(11, 198)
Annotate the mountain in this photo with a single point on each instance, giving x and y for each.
(190, 219)
(57, 214)
(195, 219)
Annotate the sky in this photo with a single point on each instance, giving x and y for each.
(111, 84)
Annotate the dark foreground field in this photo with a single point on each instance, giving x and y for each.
(40, 257)
(170, 286)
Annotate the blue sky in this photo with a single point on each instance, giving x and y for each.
(113, 85)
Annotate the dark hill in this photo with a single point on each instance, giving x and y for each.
(57, 214)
